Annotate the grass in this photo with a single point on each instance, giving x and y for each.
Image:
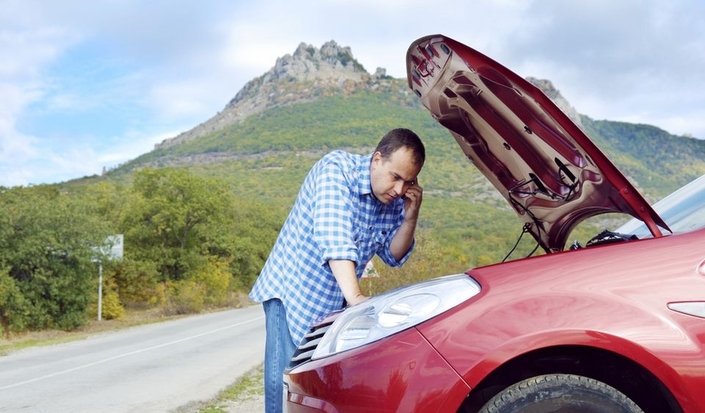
(50, 337)
(247, 387)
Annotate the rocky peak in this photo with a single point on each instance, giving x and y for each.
(297, 77)
(330, 62)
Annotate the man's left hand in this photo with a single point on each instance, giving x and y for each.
(412, 201)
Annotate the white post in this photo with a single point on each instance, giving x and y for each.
(100, 290)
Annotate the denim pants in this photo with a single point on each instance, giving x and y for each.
(279, 347)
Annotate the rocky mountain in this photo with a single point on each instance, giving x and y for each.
(315, 100)
(303, 76)
(310, 73)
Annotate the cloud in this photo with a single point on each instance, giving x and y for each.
(625, 60)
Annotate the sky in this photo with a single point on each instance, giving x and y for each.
(87, 85)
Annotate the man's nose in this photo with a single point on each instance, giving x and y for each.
(400, 188)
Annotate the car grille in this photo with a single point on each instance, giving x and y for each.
(308, 345)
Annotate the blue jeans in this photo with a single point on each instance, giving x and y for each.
(278, 350)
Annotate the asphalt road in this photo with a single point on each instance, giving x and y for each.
(152, 368)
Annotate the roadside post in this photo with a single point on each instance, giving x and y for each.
(111, 249)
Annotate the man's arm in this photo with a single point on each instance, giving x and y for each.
(344, 273)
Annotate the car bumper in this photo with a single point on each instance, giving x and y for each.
(401, 373)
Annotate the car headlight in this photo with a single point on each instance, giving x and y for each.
(394, 311)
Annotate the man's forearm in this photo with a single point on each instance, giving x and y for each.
(403, 239)
(345, 275)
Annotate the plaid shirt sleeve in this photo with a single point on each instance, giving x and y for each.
(333, 229)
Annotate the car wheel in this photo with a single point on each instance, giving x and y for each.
(560, 393)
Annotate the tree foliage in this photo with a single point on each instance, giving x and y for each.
(189, 241)
(46, 240)
(168, 219)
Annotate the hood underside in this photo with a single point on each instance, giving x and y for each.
(549, 171)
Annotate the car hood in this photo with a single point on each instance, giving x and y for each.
(548, 170)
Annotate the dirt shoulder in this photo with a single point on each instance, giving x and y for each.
(246, 395)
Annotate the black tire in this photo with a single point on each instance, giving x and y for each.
(564, 393)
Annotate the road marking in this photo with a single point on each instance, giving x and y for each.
(58, 373)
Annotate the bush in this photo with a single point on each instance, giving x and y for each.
(215, 278)
(425, 262)
(136, 282)
(112, 308)
(185, 297)
(12, 305)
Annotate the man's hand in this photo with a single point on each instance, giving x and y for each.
(412, 202)
(360, 298)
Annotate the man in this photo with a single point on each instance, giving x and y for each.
(349, 208)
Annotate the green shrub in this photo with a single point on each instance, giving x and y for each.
(185, 297)
(215, 278)
(112, 308)
(136, 282)
(425, 262)
(12, 305)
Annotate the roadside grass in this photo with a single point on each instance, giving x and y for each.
(249, 386)
(8, 346)
(132, 318)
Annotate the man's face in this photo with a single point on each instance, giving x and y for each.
(392, 176)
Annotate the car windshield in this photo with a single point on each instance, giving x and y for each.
(683, 211)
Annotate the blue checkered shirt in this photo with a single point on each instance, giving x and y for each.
(335, 217)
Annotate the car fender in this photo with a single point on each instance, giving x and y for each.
(537, 323)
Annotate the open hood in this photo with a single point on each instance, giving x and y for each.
(549, 171)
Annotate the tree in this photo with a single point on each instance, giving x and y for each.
(108, 199)
(45, 248)
(166, 221)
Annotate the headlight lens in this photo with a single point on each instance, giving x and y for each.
(395, 311)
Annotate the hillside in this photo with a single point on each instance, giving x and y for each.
(316, 100)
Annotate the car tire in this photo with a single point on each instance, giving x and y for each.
(560, 392)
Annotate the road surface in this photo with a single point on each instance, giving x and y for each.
(151, 368)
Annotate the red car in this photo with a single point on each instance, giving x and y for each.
(615, 326)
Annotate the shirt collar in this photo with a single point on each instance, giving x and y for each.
(363, 169)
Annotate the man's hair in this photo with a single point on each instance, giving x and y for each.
(402, 138)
